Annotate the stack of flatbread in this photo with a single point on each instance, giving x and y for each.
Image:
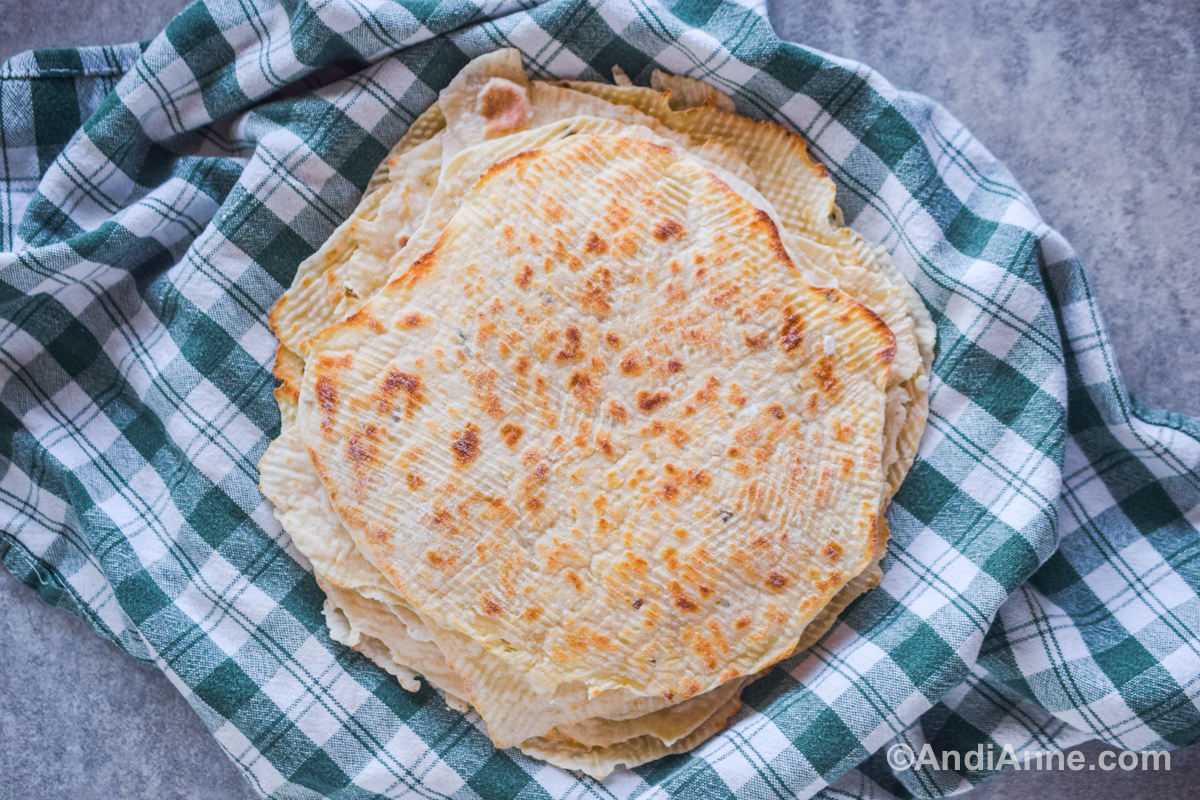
(591, 410)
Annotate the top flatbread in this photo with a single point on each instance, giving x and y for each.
(607, 383)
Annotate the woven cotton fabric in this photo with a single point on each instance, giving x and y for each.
(155, 201)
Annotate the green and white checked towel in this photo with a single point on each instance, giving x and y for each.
(155, 200)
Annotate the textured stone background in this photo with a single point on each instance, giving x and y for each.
(1095, 108)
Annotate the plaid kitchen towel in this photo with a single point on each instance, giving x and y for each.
(156, 199)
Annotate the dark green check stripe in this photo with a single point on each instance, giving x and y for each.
(168, 346)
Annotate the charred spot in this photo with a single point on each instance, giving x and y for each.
(791, 335)
(776, 580)
(617, 410)
(832, 551)
(594, 244)
(648, 401)
(637, 603)
(612, 339)
(466, 446)
(670, 491)
(412, 321)
(775, 410)
(742, 623)
(522, 365)
(724, 515)
(668, 229)
(674, 365)
(630, 365)
(571, 349)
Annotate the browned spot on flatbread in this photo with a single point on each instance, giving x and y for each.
(504, 106)
(524, 275)
(582, 386)
(511, 432)
(680, 599)
(668, 229)
(491, 607)
(595, 294)
(572, 349)
(396, 381)
(327, 399)
(823, 372)
(648, 401)
(594, 244)
(791, 335)
(465, 446)
(776, 580)
(575, 580)
(832, 551)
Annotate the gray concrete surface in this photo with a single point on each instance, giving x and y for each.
(1094, 107)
